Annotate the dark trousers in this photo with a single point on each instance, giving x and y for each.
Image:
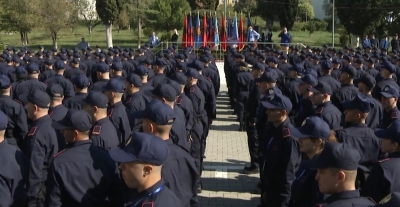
(197, 146)
(206, 130)
(241, 101)
(252, 143)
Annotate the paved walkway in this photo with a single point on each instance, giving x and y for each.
(227, 154)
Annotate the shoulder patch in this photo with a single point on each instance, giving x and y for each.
(96, 130)
(51, 113)
(319, 110)
(394, 115)
(130, 99)
(192, 89)
(179, 101)
(18, 101)
(208, 79)
(110, 112)
(60, 152)
(148, 204)
(285, 132)
(32, 131)
(383, 160)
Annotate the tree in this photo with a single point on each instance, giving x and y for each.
(284, 10)
(246, 7)
(203, 4)
(108, 11)
(17, 16)
(87, 13)
(306, 11)
(361, 17)
(170, 15)
(327, 7)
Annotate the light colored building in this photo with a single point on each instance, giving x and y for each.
(318, 11)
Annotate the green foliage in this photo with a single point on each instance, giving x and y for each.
(344, 38)
(246, 6)
(306, 11)
(170, 15)
(284, 10)
(320, 25)
(311, 27)
(203, 4)
(108, 10)
(327, 7)
(297, 26)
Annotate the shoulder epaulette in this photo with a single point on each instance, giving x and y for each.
(32, 131)
(319, 110)
(285, 132)
(130, 99)
(394, 115)
(110, 112)
(16, 100)
(192, 89)
(179, 101)
(384, 160)
(51, 113)
(208, 79)
(96, 130)
(60, 152)
(148, 204)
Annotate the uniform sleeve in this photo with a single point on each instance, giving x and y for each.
(35, 171)
(5, 194)
(211, 102)
(22, 123)
(53, 192)
(375, 185)
(69, 90)
(292, 158)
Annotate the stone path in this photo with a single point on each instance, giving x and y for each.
(223, 183)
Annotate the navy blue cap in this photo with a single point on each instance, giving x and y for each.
(204, 59)
(80, 81)
(359, 102)
(312, 127)
(39, 98)
(108, 60)
(392, 132)
(157, 112)
(367, 79)
(115, 85)
(134, 80)
(75, 61)
(346, 57)
(4, 82)
(258, 66)
(390, 91)
(336, 61)
(273, 60)
(59, 64)
(55, 90)
(163, 91)
(283, 56)
(96, 98)
(102, 68)
(198, 65)
(20, 70)
(338, 155)
(308, 79)
(142, 70)
(388, 66)
(269, 76)
(298, 68)
(3, 121)
(278, 101)
(311, 72)
(192, 73)
(352, 71)
(180, 78)
(321, 87)
(145, 148)
(239, 56)
(74, 120)
(32, 68)
(326, 65)
(117, 66)
(176, 86)
(159, 62)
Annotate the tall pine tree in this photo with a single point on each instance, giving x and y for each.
(108, 11)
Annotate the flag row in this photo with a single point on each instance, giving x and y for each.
(206, 32)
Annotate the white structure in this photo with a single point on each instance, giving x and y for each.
(87, 9)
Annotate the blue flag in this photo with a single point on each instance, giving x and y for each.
(198, 39)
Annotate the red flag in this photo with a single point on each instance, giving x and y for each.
(210, 32)
(184, 35)
(241, 34)
(204, 30)
(222, 34)
(190, 32)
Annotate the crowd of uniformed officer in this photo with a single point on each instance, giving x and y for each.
(323, 125)
(115, 127)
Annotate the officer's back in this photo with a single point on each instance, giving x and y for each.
(66, 84)
(32, 83)
(82, 174)
(81, 84)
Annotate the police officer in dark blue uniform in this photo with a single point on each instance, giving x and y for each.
(241, 88)
(179, 170)
(194, 93)
(143, 72)
(291, 89)
(159, 66)
(281, 153)
(23, 90)
(103, 76)
(103, 132)
(312, 137)
(386, 70)
(68, 184)
(117, 111)
(210, 74)
(326, 70)
(58, 78)
(48, 72)
(304, 106)
(337, 166)
(390, 95)
(146, 153)
(385, 173)
(57, 110)
(134, 100)
(19, 77)
(40, 144)
(14, 170)
(358, 135)
(75, 70)
(80, 84)
(321, 98)
(365, 85)
(17, 127)
(348, 91)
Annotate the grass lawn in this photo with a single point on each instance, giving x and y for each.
(128, 38)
